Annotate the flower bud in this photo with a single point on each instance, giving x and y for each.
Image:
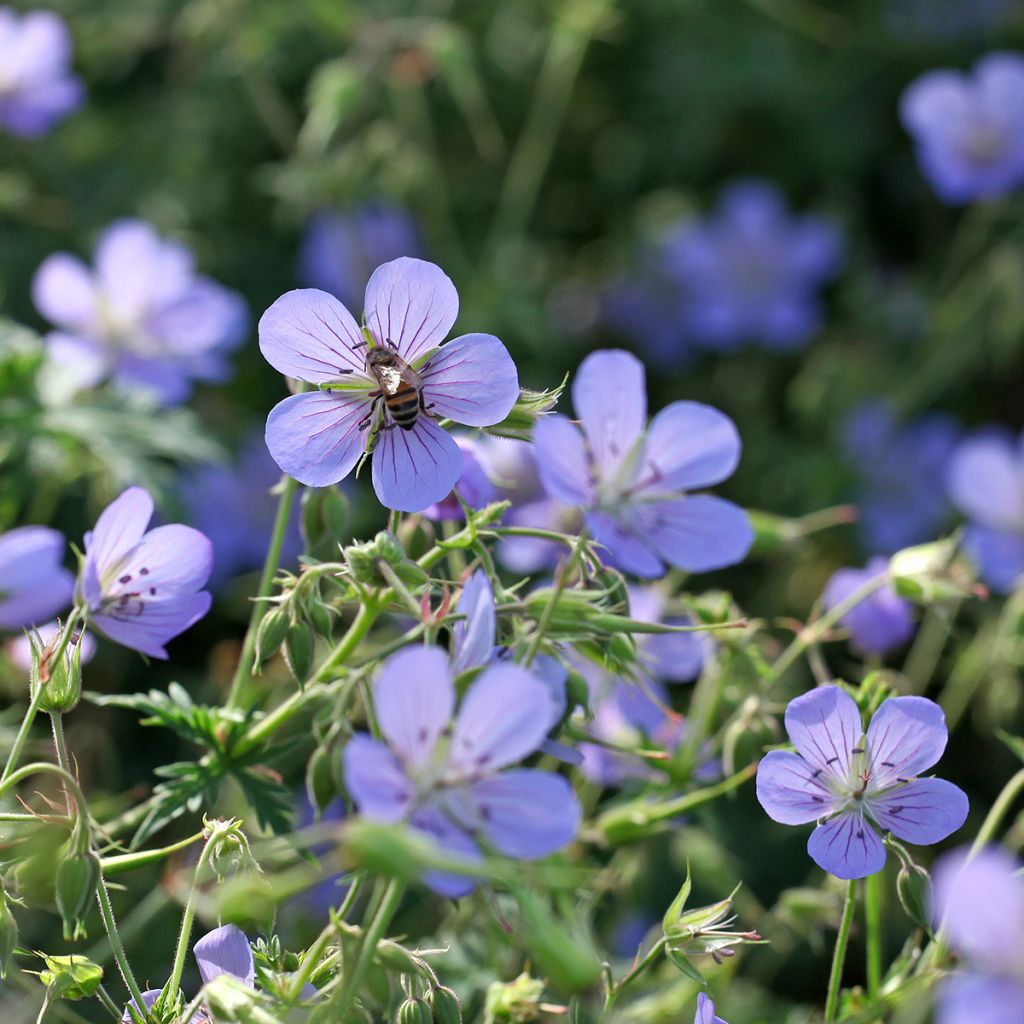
(414, 1011)
(914, 887)
(271, 634)
(396, 958)
(387, 546)
(230, 999)
(514, 1001)
(77, 879)
(8, 935)
(320, 786)
(60, 680)
(320, 618)
(298, 650)
(444, 1004)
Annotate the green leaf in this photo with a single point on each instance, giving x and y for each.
(678, 904)
(681, 961)
(1015, 743)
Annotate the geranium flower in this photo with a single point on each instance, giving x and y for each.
(34, 586)
(455, 782)
(879, 623)
(37, 88)
(706, 1011)
(851, 782)
(319, 437)
(143, 588)
(969, 129)
(142, 316)
(631, 479)
(474, 486)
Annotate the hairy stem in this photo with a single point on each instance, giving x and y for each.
(994, 818)
(117, 948)
(839, 956)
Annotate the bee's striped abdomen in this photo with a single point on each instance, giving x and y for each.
(404, 406)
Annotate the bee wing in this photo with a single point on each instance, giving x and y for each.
(411, 377)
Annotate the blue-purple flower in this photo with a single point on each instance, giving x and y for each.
(980, 902)
(986, 482)
(454, 781)
(141, 316)
(34, 586)
(853, 783)
(879, 623)
(142, 588)
(410, 307)
(902, 467)
(753, 272)
(706, 1011)
(37, 86)
(632, 480)
(342, 248)
(969, 128)
(649, 308)
(474, 486)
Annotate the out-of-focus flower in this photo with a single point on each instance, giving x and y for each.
(19, 648)
(410, 306)
(969, 128)
(986, 482)
(454, 782)
(631, 480)
(851, 782)
(902, 469)
(342, 248)
(37, 87)
(752, 271)
(474, 486)
(649, 308)
(879, 623)
(669, 657)
(142, 316)
(981, 902)
(233, 506)
(34, 586)
(706, 1011)
(949, 20)
(142, 588)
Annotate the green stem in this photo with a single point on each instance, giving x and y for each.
(873, 929)
(243, 673)
(1003, 803)
(110, 924)
(561, 578)
(128, 861)
(839, 956)
(59, 744)
(405, 595)
(634, 972)
(111, 1007)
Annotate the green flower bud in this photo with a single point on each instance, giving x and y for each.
(577, 692)
(321, 619)
(271, 634)
(60, 680)
(71, 977)
(77, 879)
(40, 856)
(414, 1011)
(396, 958)
(320, 785)
(444, 1004)
(360, 558)
(914, 887)
(298, 650)
(514, 1002)
(8, 935)
(387, 546)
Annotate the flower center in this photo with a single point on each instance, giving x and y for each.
(125, 596)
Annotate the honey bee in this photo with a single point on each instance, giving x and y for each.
(401, 387)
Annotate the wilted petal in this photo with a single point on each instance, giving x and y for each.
(907, 735)
(473, 637)
(414, 700)
(986, 480)
(472, 380)
(225, 950)
(922, 812)
(790, 791)
(980, 999)
(375, 780)
(315, 437)
(310, 335)
(450, 839)
(695, 534)
(148, 627)
(562, 462)
(610, 399)
(64, 293)
(622, 548)
(411, 303)
(825, 728)
(119, 528)
(413, 469)
(688, 446)
(847, 847)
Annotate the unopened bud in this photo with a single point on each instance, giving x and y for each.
(914, 887)
(8, 935)
(298, 650)
(514, 1001)
(444, 1004)
(59, 679)
(77, 879)
(320, 786)
(321, 619)
(414, 1011)
(271, 634)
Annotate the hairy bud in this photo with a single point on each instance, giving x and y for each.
(444, 1004)
(8, 935)
(298, 650)
(914, 887)
(414, 1011)
(77, 879)
(273, 629)
(59, 679)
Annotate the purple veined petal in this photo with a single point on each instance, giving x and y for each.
(471, 380)
(790, 792)
(847, 846)
(473, 637)
(688, 446)
(310, 335)
(907, 735)
(119, 528)
(986, 480)
(158, 622)
(225, 950)
(562, 462)
(413, 469)
(922, 812)
(980, 999)
(526, 814)
(980, 901)
(375, 780)
(610, 399)
(825, 728)
(998, 554)
(504, 717)
(431, 821)
(697, 533)
(622, 548)
(172, 559)
(149, 997)
(315, 437)
(706, 1011)
(64, 293)
(411, 303)
(207, 317)
(414, 699)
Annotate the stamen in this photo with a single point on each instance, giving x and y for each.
(126, 578)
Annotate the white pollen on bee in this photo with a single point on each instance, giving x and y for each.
(390, 378)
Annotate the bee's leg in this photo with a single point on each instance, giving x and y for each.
(367, 419)
(359, 344)
(425, 409)
(391, 344)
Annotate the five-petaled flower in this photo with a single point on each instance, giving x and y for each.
(143, 588)
(846, 779)
(454, 781)
(34, 586)
(318, 437)
(631, 479)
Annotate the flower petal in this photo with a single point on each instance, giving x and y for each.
(149, 997)
(172, 559)
(310, 335)
(413, 469)
(697, 533)
(414, 700)
(375, 780)
(64, 293)
(471, 380)
(980, 999)
(986, 480)
(706, 1011)
(825, 728)
(922, 812)
(688, 446)
(148, 630)
(225, 950)
(505, 715)
(473, 638)
(315, 437)
(622, 548)
(789, 791)
(119, 528)
(610, 399)
(847, 846)
(452, 840)
(998, 554)
(907, 735)
(411, 303)
(562, 462)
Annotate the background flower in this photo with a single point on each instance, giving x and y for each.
(879, 623)
(34, 586)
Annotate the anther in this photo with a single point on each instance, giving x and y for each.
(126, 578)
